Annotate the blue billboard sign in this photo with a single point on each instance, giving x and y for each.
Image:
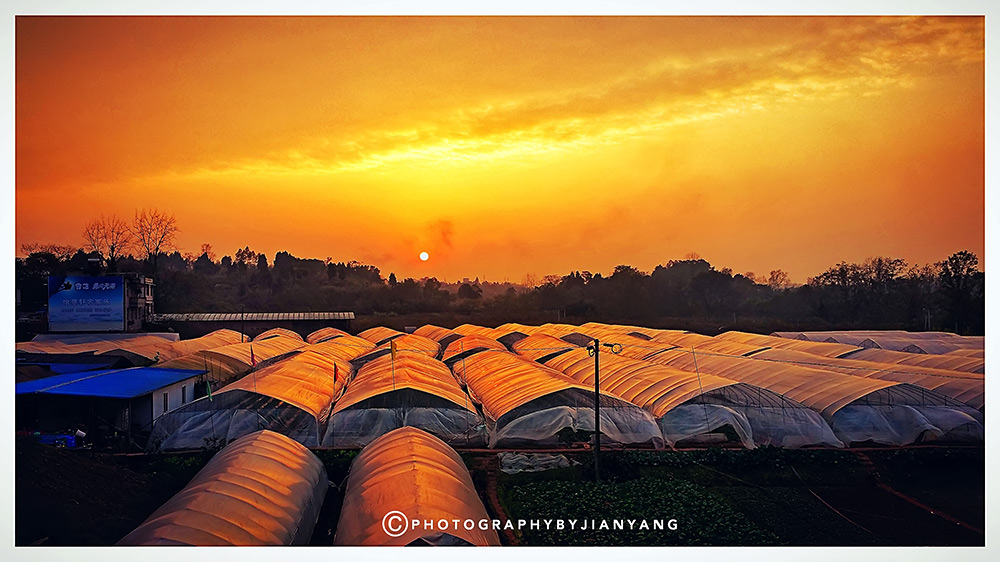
(86, 304)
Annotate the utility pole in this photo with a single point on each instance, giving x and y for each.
(595, 349)
(597, 410)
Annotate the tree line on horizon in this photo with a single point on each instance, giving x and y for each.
(690, 293)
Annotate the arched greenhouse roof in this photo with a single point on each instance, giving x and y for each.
(823, 391)
(816, 348)
(261, 489)
(948, 362)
(539, 346)
(347, 348)
(323, 334)
(502, 381)
(467, 345)
(219, 367)
(435, 333)
(305, 380)
(655, 388)
(969, 388)
(380, 335)
(263, 350)
(413, 371)
(284, 332)
(411, 472)
(412, 343)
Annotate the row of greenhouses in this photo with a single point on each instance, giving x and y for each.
(265, 489)
(517, 386)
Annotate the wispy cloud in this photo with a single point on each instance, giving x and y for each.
(863, 57)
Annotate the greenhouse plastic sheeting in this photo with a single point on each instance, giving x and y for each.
(528, 404)
(688, 340)
(262, 489)
(707, 344)
(416, 475)
(511, 327)
(969, 352)
(158, 349)
(292, 397)
(380, 335)
(907, 345)
(265, 350)
(414, 390)
(557, 330)
(513, 463)
(689, 421)
(323, 334)
(98, 346)
(948, 362)
(625, 329)
(139, 350)
(218, 338)
(218, 367)
(906, 424)
(472, 329)
(435, 333)
(407, 344)
(827, 393)
(823, 391)
(603, 334)
(465, 346)
(356, 427)
(637, 348)
(283, 332)
(410, 343)
(816, 348)
(493, 333)
(347, 348)
(969, 388)
(893, 338)
(688, 405)
(540, 346)
(729, 347)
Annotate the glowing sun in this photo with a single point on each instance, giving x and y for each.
(424, 256)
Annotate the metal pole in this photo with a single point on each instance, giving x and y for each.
(597, 410)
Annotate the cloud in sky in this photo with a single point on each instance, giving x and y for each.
(509, 122)
(865, 59)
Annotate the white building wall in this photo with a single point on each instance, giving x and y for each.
(174, 394)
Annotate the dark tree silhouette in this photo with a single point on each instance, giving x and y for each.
(154, 234)
(110, 237)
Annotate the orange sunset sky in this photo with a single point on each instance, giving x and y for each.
(509, 145)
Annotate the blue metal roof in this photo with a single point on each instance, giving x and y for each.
(116, 383)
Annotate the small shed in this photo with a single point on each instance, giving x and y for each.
(116, 405)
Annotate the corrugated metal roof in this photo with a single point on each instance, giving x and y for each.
(118, 383)
(251, 316)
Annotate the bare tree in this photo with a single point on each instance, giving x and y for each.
(154, 233)
(61, 251)
(110, 237)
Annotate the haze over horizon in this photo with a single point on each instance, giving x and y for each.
(510, 145)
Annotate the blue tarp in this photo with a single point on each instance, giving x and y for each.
(117, 383)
